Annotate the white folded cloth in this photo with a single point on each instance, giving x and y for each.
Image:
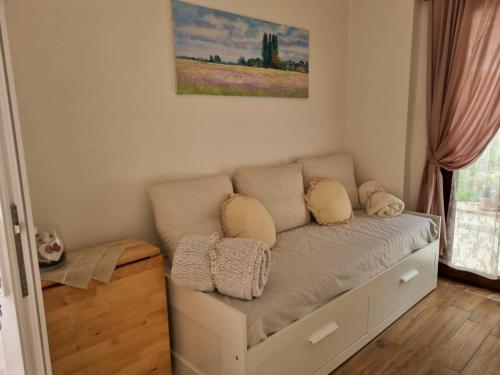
(376, 201)
(235, 267)
(82, 266)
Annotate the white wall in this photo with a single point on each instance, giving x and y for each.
(416, 142)
(101, 122)
(379, 59)
(2, 359)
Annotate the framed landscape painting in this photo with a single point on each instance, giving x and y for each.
(220, 53)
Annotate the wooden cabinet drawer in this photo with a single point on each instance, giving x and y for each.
(407, 280)
(326, 339)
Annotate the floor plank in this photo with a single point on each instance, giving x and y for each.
(496, 330)
(452, 283)
(371, 360)
(409, 325)
(487, 313)
(439, 331)
(468, 301)
(454, 330)
(439, 370)
(408, 358)
(461, 347)
(444, 296)
(483, 292)
(430, 365)
(433, 368)
(487, 359)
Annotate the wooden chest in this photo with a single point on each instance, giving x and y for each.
(116, 328)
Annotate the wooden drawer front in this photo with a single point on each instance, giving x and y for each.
(327, 340)
(407, 280)
(120, 327)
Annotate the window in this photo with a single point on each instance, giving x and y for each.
(474, 215)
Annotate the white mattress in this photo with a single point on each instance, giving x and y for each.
(313, 264)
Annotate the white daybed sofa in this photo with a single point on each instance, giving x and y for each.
(335, 313)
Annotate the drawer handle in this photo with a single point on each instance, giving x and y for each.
(409, 275)
(321, 333)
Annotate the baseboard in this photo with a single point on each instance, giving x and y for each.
(468, 277)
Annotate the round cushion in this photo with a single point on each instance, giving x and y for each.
(245, 217)
(329, 202)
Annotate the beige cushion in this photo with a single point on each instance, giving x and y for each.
(188, 207)
(280, 189)
(339, 167)
(246, 217)
(328, 201)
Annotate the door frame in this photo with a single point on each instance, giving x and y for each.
(28, 310)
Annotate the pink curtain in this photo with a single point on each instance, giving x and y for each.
(463, 91)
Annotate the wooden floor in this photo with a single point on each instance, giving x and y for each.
(454, 330)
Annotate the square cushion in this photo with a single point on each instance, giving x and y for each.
(188, 207)
(280, 189)
(339, 167)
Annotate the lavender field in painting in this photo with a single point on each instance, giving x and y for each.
(219, 53)
(195, 77)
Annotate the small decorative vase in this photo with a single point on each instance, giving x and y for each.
(50, 246)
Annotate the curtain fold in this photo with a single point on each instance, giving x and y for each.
(463, 92)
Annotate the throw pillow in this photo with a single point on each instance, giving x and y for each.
(329, 202)
(246, 217)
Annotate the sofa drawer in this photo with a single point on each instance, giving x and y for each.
(327, 339)
(407, 280)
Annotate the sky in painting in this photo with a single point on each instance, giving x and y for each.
(201, 32)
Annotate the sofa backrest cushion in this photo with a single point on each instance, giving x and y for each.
(339, 167)
(280, 189)
(188, 207)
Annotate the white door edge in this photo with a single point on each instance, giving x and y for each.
(30, 312)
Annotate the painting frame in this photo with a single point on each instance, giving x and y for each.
(221, 53)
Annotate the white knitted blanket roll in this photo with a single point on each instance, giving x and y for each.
(241, 266)
(384, 204)
(376, 201)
